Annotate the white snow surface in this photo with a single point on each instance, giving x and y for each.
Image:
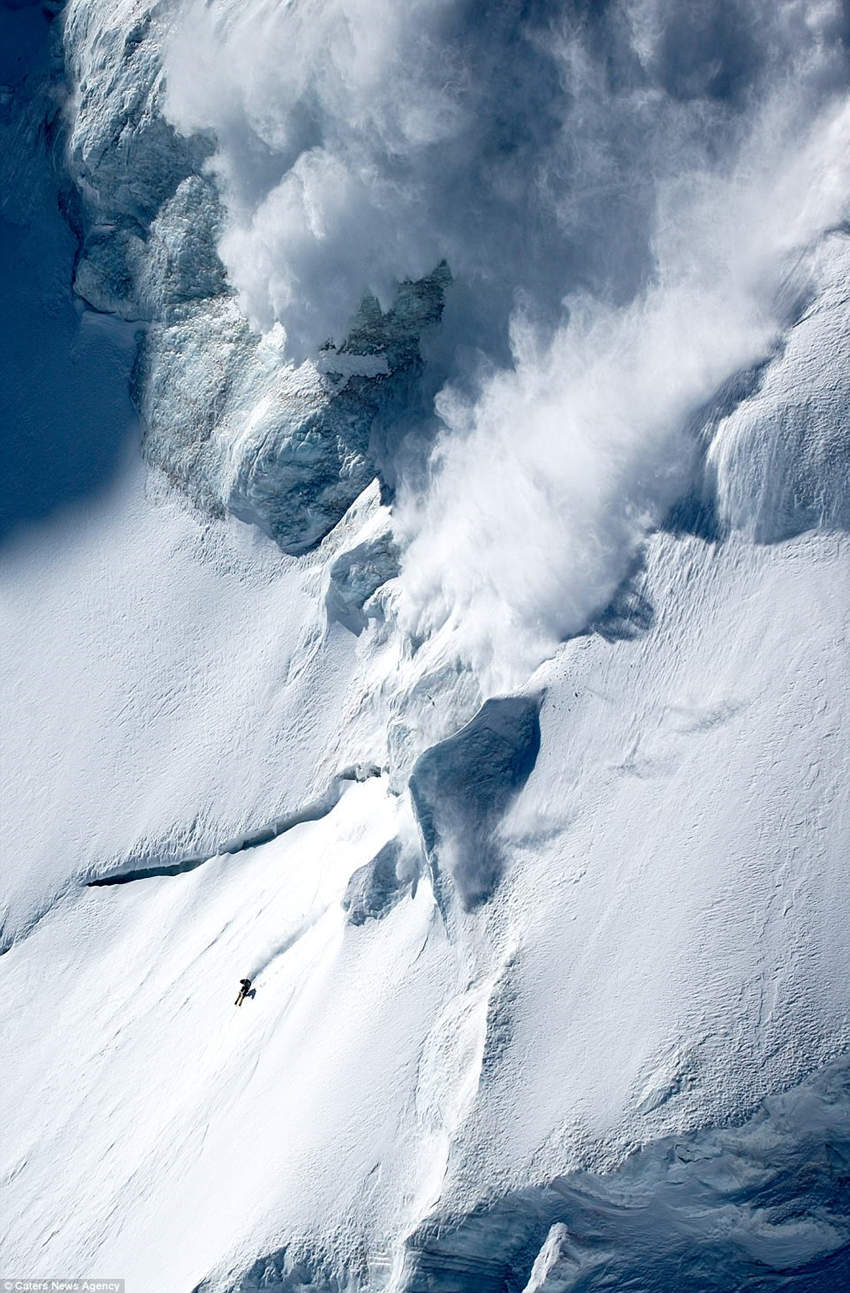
(166, 677)
(666, 948)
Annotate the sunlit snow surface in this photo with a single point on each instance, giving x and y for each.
(571, 1013)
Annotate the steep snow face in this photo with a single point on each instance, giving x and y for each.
(227, 415)
(484, 702)
(779, 462)
(666, 946)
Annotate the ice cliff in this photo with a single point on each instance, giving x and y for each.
(227, 418)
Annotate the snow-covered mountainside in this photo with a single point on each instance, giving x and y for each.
(424, 578)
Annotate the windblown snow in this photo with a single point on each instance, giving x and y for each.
(424, 579)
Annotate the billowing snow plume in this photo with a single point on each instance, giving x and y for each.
(626, 196)
(546, 480)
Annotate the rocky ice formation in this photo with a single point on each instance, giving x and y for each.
(717, 1210)
(462, 786)
(356, 575)
(375, 888)
(228, 417)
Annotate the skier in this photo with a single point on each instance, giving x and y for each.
(243, 991)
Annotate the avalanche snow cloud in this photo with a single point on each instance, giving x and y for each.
(628, 196)
(461, 653)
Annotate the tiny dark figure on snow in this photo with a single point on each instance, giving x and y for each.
(243, 991)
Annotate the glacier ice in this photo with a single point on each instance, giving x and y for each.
(375, 888)
(761, 1205)
(461, 787)
(356, 575)
(227, 417)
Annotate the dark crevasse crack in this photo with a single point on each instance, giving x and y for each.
(9, 938)
(311, 812)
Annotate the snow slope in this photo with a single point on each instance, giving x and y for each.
(665, 949)
(138, 626)
(476, 685)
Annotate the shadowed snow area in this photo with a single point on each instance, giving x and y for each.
(461, 787)
(463, 658)
(64, 400)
